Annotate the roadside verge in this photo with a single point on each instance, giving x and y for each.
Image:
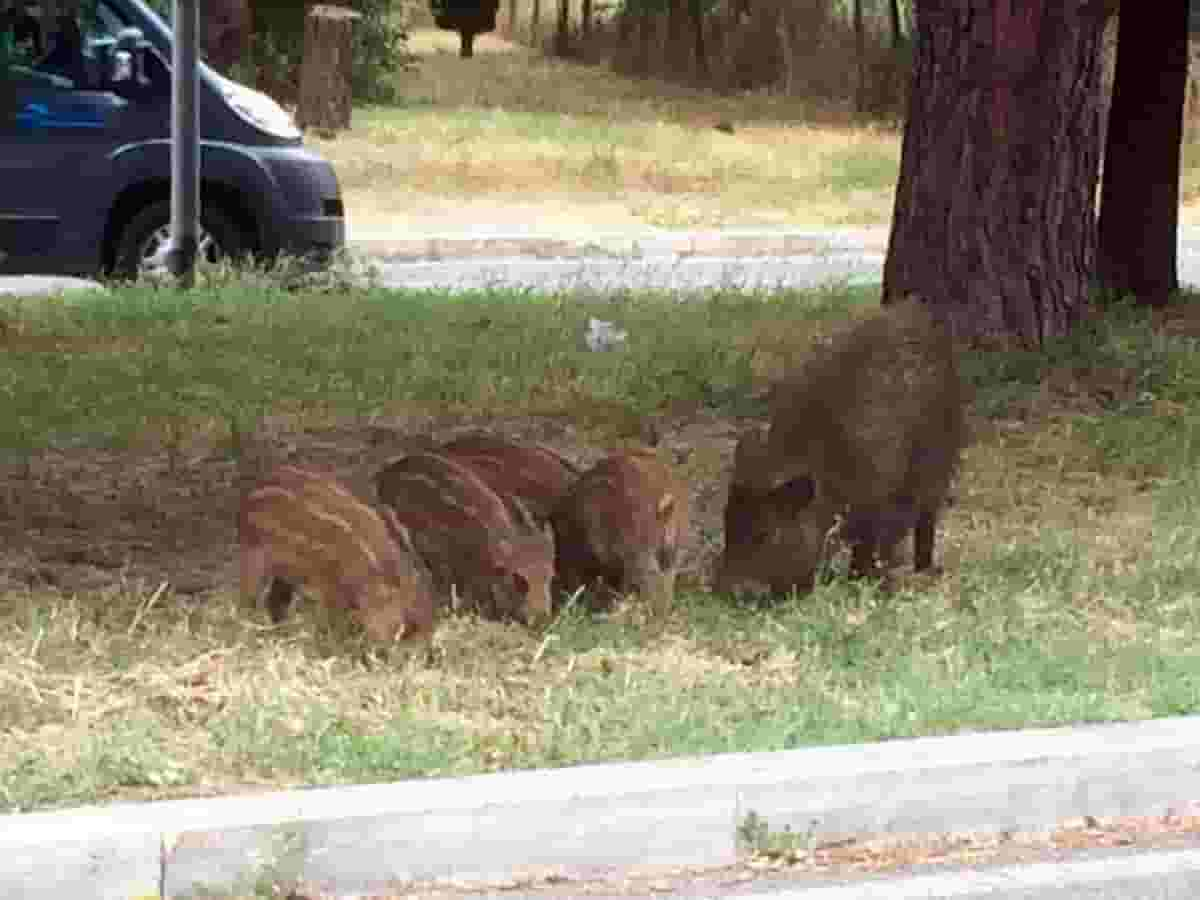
(598, 817)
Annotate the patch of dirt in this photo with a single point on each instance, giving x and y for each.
(80, 520)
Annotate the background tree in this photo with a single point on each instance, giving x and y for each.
(1139, 194)
(468, 18)
(994, 219)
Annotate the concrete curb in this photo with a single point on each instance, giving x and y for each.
(622, 245)
(600, 817)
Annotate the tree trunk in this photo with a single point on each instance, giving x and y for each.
(535, 25)
(897, 28)
(678, 47)
(513, 33)
(699, 46)
(1139, 196)
(994, 220)
(860, 51)
(325, 99)
(562, 36)
(585, 19)
(645, 39)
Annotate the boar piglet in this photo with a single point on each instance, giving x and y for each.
(621, 526)
(299, 526)
(487, 547)
(533, 474)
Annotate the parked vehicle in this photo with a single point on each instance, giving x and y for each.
(85, 154)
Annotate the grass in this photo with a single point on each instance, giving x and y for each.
(473, 138)
(1071, 591)
(513, 137)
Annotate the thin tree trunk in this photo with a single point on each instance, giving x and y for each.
(513, 31)
(535, 24)
(994, 219)
(696, 13)
(860, 50)
(645, 38)
(585, 19)
(1139, 195)
(562, 35)
(678, 47)
(897, 28)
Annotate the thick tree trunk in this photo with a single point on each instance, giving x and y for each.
(325, 100)
(1139, 196)
(994, 220)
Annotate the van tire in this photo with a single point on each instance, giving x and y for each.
(230, 239)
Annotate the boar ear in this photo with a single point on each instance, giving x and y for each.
(666, 508)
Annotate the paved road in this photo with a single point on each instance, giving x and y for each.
(678, 262)
(1136, 874)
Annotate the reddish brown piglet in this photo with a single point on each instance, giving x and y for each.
(298, 526)
(621, 526)
(486, 547)
(532, 473)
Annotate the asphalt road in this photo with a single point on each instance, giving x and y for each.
(1171, 873)
(843, 262)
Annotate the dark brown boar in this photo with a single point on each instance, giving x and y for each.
(487, 547)
(534, 474)
(622, 525)
(870, 428)
(299, 526)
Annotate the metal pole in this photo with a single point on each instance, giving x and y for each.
(185, 144)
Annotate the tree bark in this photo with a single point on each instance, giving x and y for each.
(1139, 195)
(325, 99)
(897, 27)
(678, 47)
(562, 35)
(860, 51)
(696, 14)
(585, 19)
(994, 221)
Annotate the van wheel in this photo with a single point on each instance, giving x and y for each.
(146, 236)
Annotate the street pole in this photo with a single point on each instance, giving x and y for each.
(185, 144)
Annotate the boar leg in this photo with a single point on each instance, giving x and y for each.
(924, 535)
(279, 598)
(253, 562)
(860, 534)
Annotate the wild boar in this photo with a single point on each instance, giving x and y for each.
(486, 547)
(534, 474)
(299, 526)
(870, 428)
(621, 526)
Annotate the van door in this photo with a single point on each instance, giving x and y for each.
(65, 117)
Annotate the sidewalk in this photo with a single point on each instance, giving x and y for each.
(485, 241)
(597, 818)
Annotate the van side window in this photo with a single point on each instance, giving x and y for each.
(76, 54)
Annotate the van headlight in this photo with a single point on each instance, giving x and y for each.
(259, 110)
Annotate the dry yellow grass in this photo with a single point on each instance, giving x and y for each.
(514, 137)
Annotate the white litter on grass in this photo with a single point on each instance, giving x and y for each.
(603, 335)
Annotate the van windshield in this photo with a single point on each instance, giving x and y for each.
(71, 50)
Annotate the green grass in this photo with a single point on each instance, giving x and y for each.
(1071, 591)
